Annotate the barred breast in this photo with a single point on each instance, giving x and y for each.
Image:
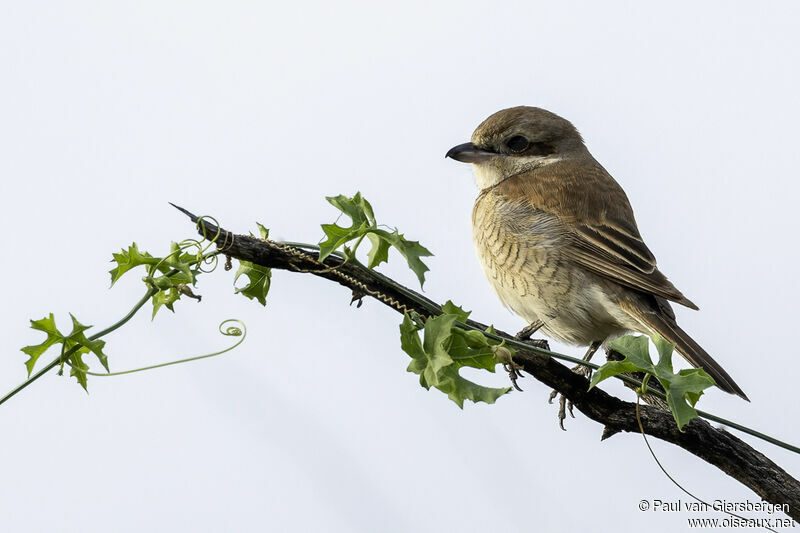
(523, 265)
(519, 248)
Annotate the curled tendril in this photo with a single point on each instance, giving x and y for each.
(230, 331)
(222, 246)
(208, 263)
(233, 331)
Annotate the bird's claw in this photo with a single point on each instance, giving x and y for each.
(583, 370)
(514, 373)
(565, 405)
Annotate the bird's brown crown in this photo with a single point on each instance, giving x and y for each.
(513, 130)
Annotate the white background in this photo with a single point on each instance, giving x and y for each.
(255, 112)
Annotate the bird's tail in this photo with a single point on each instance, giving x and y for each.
(687, 347)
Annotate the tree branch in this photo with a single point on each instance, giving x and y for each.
(715, 446)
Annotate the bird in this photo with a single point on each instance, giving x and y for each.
(557, 239)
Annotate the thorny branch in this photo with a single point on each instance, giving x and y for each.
(715, 446)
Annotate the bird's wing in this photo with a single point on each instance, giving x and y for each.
(610, 267)
(601, 229)
(617, 245)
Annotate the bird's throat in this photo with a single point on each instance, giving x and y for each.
(490, 173)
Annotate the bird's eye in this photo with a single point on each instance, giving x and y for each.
(517, 144)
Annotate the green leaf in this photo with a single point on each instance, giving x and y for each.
(436, 331)
(361, 216)
(262, 231)
(665, 350)
(411, 250)
(470, 348)
(259, 277)
(169, 290)
(363, 224)
(165, 298)
(635, 349)
(379, 253)
(449, 308)
(357, 208)
(411, 344)
(75, 341)
(183, 263)
(47, 325)
(459, 389)
(338, 236)
(610, 369)
(76, 358)
(77, 337)
(682, 389)
(177, 270)
(258, 283)
(129, 259)
(444, 349)
(180, 261)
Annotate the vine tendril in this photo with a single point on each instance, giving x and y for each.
(706, 505)
(230, 331)
(203, 258)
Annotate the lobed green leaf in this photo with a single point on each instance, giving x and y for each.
(48, 326)
(129, 259)
(77, 337)
(76, 342)
(683, 389)
(363, 224)
(444, 349)
(77, 364)
(379, 253)
(258, 277)
(165, 297)
(183, 264)
(411, 250)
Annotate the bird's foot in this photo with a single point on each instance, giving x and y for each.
(583, 370)
(503, 356)
(513, 368)
(565, 405)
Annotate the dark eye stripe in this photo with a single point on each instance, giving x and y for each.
(542, 148)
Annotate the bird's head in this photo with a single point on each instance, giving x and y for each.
(516, 140)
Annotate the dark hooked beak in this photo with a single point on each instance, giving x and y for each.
(468, 153)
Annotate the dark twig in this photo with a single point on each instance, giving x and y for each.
(715, 446)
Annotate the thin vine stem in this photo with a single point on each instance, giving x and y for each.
(64, 356)
(231, 332)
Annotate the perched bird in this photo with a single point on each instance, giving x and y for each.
(557, 239)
